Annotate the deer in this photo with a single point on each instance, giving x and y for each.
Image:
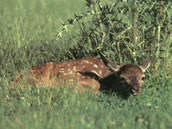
(89, 73)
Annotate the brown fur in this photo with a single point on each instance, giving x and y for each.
(88, 73)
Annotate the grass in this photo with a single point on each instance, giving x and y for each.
(27, 37)
(52, 108)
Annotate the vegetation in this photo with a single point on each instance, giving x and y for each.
(35, 32)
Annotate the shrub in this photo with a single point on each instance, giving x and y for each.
(123, 30)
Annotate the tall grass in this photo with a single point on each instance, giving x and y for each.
(29, 35)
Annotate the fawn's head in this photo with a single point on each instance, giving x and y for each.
(130, 76)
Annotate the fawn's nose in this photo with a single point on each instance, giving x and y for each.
(136, 89)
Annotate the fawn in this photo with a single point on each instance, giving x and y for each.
(88, 73)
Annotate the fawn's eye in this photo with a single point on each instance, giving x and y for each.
(143, 78)
(122, 79)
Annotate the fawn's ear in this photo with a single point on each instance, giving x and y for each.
(145, 64)
(110, 64)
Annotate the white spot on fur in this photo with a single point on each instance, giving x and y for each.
(64, 74)
(85, 61)
(91, 63)
(74, 68)
(78, 74)
(83, 77)
(71, 72)
(61, 70)
(100, 72)
(83, 67)
(95, 66)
